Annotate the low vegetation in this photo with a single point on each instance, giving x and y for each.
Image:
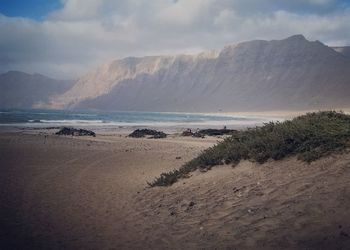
(309, 137)
(139, 133)
(214, 132)
(209, 132)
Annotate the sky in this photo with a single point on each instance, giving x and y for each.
(66, 38)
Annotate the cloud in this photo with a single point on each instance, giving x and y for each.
(85, 33)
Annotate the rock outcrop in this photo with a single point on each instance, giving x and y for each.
(154, 134)
(75, 132)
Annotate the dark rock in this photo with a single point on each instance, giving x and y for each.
(139, 133)
(75, 132)
(198, 135)
(187, 132)
(191, 204)
(342, 233)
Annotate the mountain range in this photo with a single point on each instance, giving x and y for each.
(22, 90)
(288, 74)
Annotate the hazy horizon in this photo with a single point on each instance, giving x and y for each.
(65, 39)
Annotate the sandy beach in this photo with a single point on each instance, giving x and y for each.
(63, 192)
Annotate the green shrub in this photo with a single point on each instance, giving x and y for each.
(309, 137)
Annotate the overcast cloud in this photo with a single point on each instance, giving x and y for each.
(85, 33)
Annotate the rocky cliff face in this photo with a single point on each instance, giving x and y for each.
(105, 79)
(288, 74)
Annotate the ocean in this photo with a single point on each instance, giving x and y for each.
(109, 119)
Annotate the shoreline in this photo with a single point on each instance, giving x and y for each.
(114, 121)
(133, 126)
(120, 130)
(240, 120)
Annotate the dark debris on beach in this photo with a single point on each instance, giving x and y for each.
(75, 132)
(139, 133)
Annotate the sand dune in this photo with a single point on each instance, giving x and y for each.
(277, 205)
(84, 193)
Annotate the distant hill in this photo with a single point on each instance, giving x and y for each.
(22, 90)
(345, 50)
(288, 74)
